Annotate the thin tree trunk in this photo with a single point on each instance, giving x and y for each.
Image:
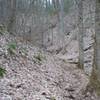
(80, 35)
(13, 15)
(62, 21)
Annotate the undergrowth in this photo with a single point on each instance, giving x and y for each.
(39, 57)
(12, 47)
(2, 72)
(2, 29)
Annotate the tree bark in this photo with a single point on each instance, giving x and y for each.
(95, 77)
(13, 16)
(80, 35)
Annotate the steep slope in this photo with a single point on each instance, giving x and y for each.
(33, 74)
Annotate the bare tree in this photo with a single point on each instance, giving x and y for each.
(12, 18)
(80, 35)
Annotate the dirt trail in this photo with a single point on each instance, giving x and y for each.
(37, 75)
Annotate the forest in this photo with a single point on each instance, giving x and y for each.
(49, 49)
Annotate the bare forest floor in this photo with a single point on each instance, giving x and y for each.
(34, 74)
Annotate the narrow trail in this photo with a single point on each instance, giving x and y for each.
(51, 78)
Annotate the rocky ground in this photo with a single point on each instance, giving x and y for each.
(33, 74)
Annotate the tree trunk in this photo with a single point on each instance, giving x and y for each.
(95, 77)
(80, 35)
(13, 16)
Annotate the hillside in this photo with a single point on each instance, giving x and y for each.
(33, 74)
(49, 50)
